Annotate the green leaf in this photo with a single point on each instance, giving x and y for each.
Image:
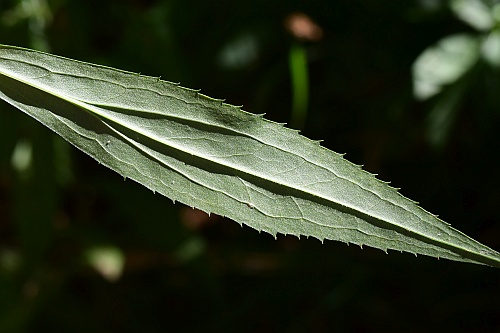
(444, 63)
(220, 159)
(476, 13)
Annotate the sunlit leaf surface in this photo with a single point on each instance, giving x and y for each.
(220, 159)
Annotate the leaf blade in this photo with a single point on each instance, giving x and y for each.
(218, 158)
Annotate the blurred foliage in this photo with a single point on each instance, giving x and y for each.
(81, 250)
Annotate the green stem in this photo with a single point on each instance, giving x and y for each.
(300, 85)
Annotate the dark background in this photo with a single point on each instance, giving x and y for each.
(189, 273)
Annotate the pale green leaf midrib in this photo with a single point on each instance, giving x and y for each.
(356, 210)
(256, 178)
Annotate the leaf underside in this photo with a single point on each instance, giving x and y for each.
(221, 159)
